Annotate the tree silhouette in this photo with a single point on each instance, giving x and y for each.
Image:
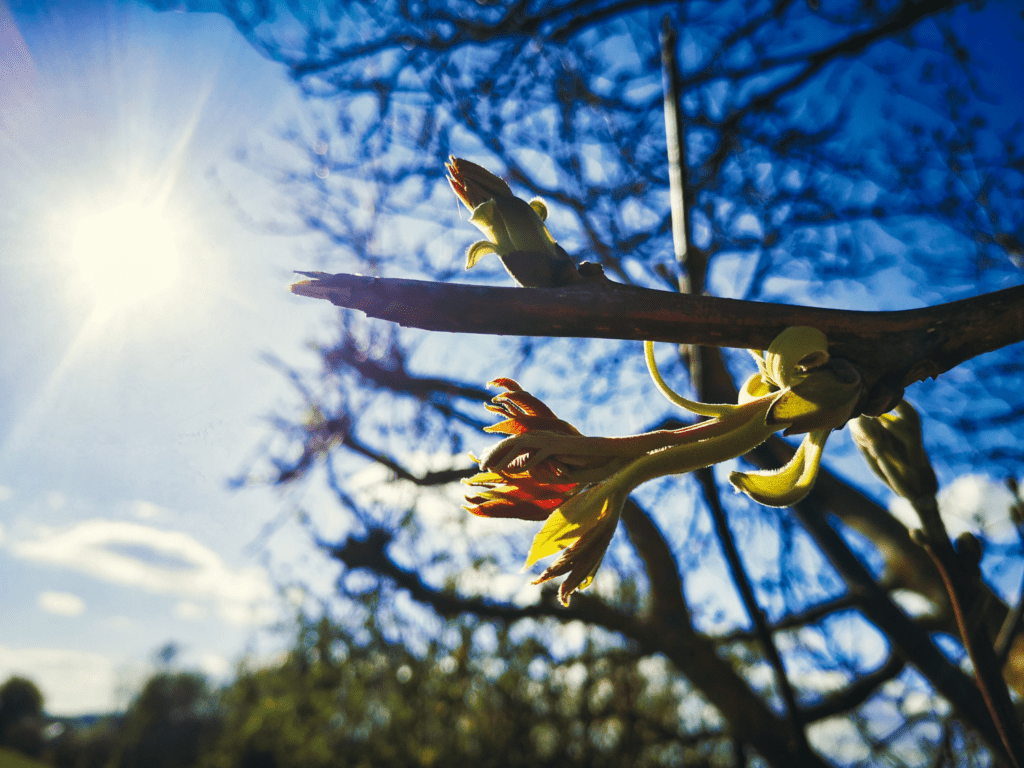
(843, 155)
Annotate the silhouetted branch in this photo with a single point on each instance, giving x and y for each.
(801, 619)
(907, 565)
(856, 693)
(666, 585)
(706, 478)
(749, 718)
(426, 480)
(979, 647)
(910, 641)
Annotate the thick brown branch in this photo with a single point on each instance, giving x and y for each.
(898, 347)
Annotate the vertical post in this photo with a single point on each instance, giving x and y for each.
(677, 161)
(692, 271)
(691, 278)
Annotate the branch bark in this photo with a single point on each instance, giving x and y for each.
(898, 348)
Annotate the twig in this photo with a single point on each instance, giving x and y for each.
(958, 581)
(912, 642)
(799, 620)
(988, 675)
(857, 692)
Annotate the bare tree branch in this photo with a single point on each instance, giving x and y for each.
(910, 641)
(900, 347)
(979, 647)
(706, 478)
(666, 585)
(856, 692)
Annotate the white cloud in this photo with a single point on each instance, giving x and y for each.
(147, 510)
(5, 492)
(189, 611)
(61, 603)
(122, 623)
(972, 503)
(72, 682)
(214, 665)
(156, 560)
(839, 738)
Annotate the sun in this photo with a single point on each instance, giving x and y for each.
(126, 255)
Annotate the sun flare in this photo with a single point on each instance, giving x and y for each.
(126, 255)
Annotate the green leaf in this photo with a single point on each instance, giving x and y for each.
(477, 251)
(789, 484)
(568, 524)
(794, 352)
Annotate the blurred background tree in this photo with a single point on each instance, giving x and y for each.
(350, 696)
(171, 722)
(21, 716)
(855, 154)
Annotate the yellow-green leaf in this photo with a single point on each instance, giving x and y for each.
(822, 400)
(794, 352)
(753, 388)
(789, 407)
(525, 225)
(568, 524)
(789, 484)
(477, 251)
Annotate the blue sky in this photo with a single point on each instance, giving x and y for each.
(122, 420)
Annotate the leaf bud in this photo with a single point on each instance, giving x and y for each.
(892, 447)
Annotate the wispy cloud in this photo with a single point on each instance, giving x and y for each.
(61, 603)
(158, 561)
